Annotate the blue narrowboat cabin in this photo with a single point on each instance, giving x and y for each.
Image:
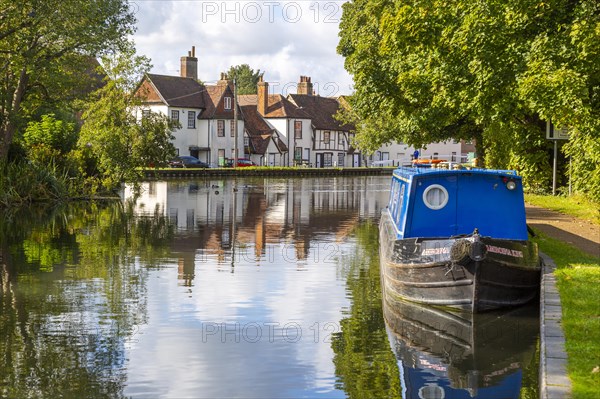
(458, 238)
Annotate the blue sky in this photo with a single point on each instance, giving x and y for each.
(285, 39)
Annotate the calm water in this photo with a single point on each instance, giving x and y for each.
(257, 288)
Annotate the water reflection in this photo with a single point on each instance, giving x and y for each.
(444, 354)
(224, 288)
(70, 296)
(261, 290)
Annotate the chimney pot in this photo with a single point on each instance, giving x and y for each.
(305, 86)
(263, 97)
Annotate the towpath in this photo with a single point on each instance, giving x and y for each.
(579, 233)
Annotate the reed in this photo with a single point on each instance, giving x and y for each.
(23, 183)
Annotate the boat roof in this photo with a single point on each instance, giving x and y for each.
(404, 172)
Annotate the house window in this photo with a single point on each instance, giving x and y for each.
(298, 154)
(232, 127)
(227, 102)
(307, 154)
(191, 119)
(246, 141)
(326, 137)
(221, 128)
(298, 129)
(341, 139)
(175, 115)
(145, 113)
(340, 159)
(221, 156)
(435, 155)
(327, 159)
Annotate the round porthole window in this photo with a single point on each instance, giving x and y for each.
(435, 197)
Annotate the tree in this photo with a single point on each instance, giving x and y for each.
(42, 43)
(430, 71)
(121, 135)
(246, 78)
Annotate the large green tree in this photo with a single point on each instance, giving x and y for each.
(119, 132)
(246, 78)
(429, 70)
(43, 47)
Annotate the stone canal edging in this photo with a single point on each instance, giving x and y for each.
(554, 382)
(275, 172)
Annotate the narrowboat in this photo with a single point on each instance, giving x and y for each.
(458, 238)
(447, 354)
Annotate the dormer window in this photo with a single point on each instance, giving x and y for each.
(227, 102)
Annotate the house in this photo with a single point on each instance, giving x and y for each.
(272, 129)
(205, 112)
(262, 143)
(330, 138)
(291, 125)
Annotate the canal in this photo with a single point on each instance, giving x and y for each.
(250, 288)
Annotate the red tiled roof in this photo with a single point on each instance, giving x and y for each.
(259, 131)
(278, 106)
(321, 110)
(213, 98)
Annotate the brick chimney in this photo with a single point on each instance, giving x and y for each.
(305, 86)
(263, 96)
(189, 65)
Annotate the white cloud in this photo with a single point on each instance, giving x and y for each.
(285, 39)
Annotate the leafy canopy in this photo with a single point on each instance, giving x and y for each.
(44, 46)
(118, 132)
(246, 78)
(429, 70)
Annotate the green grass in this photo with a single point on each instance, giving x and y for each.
(578, 281)
(574, 205)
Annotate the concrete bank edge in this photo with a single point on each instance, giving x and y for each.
(554, 382)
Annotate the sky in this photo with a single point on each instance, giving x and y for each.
(283, 39)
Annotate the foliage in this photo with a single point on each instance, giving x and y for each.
(45, 49)
(24, 183)
(106, 242)
(49, 141)
(117, 133)
(490, 70)
(246, 78)
(51, 132)
(363, 359)
(584, 152)
(578, 279)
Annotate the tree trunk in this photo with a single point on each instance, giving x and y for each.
(480, 149)
(9, 126)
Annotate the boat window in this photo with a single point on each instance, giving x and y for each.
(393, 195)
(400, 203)
(435, 197)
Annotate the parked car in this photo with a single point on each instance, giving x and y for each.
(187, 161)
(241, 162)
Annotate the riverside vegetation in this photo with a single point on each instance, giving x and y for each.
(578, 279)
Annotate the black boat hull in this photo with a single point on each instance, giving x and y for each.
(504, 273)
(472, 352)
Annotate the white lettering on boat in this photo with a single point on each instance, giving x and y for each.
(505, 251)
(436, 251)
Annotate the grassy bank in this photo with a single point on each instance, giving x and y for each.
(574, 205)
(578, 280)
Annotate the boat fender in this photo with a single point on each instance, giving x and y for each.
(460, 252)
(478, 251)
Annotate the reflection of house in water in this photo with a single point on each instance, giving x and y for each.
(267, 212)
